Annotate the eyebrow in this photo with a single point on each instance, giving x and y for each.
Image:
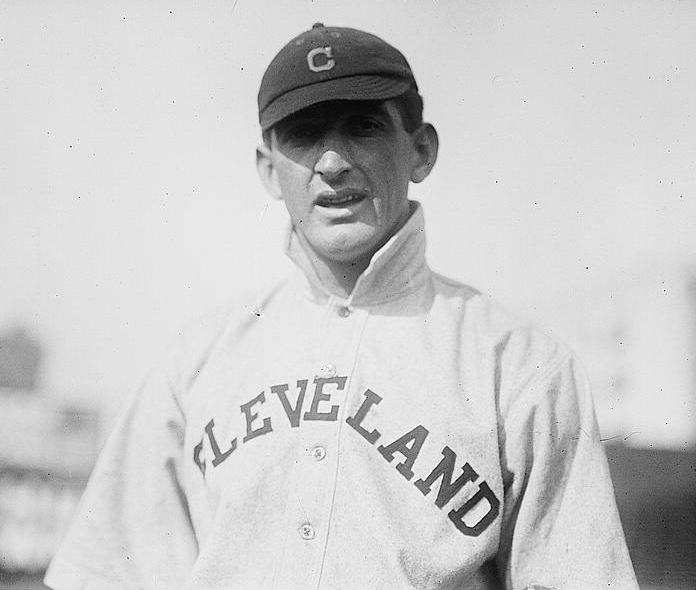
(334, 109)
(338, 108)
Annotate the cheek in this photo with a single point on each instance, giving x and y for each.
(395, 174)
(292, 179)
(395, 163)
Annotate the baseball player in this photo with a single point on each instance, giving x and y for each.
(372, 424)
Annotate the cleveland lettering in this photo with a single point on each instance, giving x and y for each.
(403, 452)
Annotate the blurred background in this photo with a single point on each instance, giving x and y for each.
(129, 204)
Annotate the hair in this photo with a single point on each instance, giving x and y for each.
(410, 107)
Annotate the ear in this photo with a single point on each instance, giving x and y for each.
(267, 172)
(425, 146)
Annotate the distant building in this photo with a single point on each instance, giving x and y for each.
(47, 450)
(46, 454)
(20, 357)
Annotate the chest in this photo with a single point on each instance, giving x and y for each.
(334, 434)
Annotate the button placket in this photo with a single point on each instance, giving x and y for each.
(344, 349)
(316, 475)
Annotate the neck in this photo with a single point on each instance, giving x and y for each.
(340, 277)
(337, 276)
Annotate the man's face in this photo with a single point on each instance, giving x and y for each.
(343, 169)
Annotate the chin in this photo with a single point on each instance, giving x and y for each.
(350, 246)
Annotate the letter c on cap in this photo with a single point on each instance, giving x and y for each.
(321, 67)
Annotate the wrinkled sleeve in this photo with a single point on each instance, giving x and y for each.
(561, 525)
(132, 528)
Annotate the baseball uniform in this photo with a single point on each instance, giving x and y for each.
(412, 435)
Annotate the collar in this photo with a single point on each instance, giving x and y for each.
(395, 270)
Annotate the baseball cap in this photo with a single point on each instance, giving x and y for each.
(331, 63)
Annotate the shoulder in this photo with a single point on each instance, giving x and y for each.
(196, 340)
(519, 352)
(491, 320)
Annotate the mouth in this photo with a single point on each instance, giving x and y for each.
(339, 199)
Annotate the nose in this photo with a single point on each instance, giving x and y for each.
(332, 162)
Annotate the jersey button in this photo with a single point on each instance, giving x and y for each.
(318, 453)
(307, 532)
(344, 311)
(327, 371)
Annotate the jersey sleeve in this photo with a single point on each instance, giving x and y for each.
(561, 526)
(132, 528)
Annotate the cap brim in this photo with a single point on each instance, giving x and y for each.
(363, 87)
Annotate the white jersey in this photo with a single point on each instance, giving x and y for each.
(410, 436)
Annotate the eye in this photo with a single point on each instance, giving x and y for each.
(299, 133)
(365, 126)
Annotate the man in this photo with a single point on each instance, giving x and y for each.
(372, 424)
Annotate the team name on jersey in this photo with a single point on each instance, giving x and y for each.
(482, 503)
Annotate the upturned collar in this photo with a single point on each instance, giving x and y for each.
(396, 269)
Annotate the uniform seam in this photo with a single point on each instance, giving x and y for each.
(454, 283)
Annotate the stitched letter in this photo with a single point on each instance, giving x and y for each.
(371, 398)
(218, 456)
(457, 516)
(416, 437)
(246, 410)
(293, 414)
(444, 469)
(320, 396)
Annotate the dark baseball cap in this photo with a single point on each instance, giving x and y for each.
(331, 63)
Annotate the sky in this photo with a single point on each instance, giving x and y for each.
(130, 203)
